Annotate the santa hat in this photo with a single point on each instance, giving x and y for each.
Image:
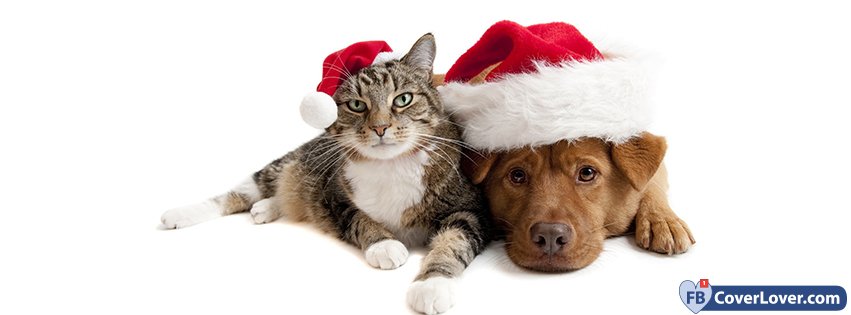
(318, 108)
(546, 83)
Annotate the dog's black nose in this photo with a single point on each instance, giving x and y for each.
(551, 237)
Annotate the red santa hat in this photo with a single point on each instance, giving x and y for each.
(318, 109)
(548, 83)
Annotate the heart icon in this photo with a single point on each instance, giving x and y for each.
(693, 297)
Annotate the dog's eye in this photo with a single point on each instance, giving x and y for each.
(517, 176)
(587, 174)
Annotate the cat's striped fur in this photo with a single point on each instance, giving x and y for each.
(374, 191)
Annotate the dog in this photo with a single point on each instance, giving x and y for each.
(556, 204)
(556, 130)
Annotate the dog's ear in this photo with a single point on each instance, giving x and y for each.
(437, 79)
(639, 158)
(477, 165)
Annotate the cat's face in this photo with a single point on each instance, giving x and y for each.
(386, 109)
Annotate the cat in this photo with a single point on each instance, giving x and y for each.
(385, 176)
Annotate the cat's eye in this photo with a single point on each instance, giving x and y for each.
(586, 174)
(517, 176)
(356, 106)
(403, 100)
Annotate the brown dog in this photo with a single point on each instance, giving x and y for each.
(557, 203)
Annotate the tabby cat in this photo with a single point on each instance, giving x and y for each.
(383, 177)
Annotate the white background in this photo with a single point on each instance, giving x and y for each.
(112, 112)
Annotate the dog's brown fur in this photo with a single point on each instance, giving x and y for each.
(627, 194)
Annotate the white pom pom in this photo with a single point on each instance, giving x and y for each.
(318, 110)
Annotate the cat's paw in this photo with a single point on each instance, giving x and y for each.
(386, 254)
(264, 211)
(432, 296)
(191, 215)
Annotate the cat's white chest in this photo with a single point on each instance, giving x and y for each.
(384, 189)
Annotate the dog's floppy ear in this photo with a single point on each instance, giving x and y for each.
(477, 165)
(437, 79)
(639, 158)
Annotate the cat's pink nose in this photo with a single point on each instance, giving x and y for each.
(380, 129)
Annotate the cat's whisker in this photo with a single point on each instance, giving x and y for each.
(438, 142)
(466, 156)
(344, 70)
(452, 123)
(450, 163)
(331, 162)
(345, 157)
(319, 152)
(452, 113)
(438, 146)
(341, 70)
(332, 143)
(332, 159)
(436, 139)
(323, 146)
(461, 152)
(453, 141)
(326, 162)
(330, 152)
(341, 135)
(426, 148)
(334, 77)
(443, 156)
(460, 144)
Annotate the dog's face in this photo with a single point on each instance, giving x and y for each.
(557, 203)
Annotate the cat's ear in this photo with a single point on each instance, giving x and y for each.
(422, 54)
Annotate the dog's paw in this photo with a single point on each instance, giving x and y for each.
(386, 254)
(191, 215)
(662, 233)
(432, 296)
(264, 211)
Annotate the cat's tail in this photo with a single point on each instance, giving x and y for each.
(253, 193)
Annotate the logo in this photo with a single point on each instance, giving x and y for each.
(704, 297)
(695, 297)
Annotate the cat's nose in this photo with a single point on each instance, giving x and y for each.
(380, 129)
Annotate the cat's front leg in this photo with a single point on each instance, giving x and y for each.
(459, 238)
(379, 246)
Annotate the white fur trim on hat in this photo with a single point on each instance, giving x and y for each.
(387, 56)
(601, 98)
(318, 110)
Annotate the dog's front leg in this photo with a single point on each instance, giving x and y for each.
(657, 227)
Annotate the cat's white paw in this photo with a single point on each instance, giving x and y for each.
(191, 215)
(386, 254)
(264, 211)
(432, 296)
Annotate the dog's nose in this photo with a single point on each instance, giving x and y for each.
(380, 129)
(551, 237)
